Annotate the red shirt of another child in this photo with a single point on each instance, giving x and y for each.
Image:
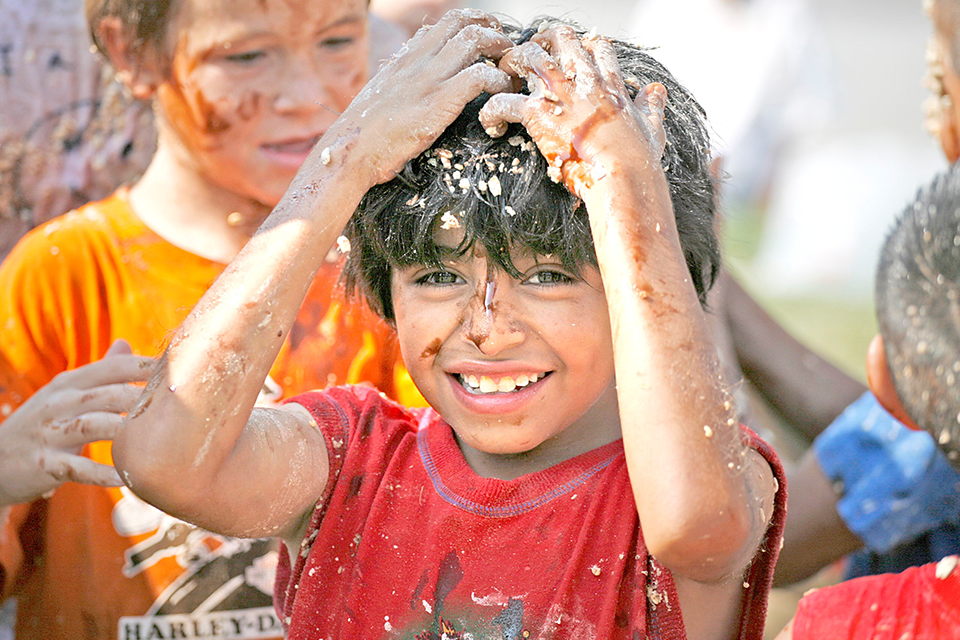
(915, 604)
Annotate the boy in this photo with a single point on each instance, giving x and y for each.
(242, 90)
(512, 508)
(912, 368)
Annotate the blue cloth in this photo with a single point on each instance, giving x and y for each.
(899, 494)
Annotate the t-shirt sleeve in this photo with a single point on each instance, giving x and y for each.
(894, 483)
(356, 422)
(758, 579)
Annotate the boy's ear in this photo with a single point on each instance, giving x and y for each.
(950, 133)
(136, 67)
(881, 383)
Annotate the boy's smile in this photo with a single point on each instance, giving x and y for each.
(252, 85)
(516, 366)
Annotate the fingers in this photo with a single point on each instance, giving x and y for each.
(83, 429)
(564, 44)
(115, 398)
(652, 102)
(605, 57)
(460, 38)
(542, 72)
(501, 109)
(120, 347)
(64, 467)
(476, 79)
(111, 370)
(473, 40)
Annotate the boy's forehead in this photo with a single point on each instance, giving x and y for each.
(449, 241)
(222, 20)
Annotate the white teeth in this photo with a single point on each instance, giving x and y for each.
(506, 384)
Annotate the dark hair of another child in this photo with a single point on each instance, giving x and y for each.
(499, 192)
(918, 310)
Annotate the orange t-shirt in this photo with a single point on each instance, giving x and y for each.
(99, 563)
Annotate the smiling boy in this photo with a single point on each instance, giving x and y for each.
(242, 91)
(559, 339)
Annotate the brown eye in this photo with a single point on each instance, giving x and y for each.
(246, 57)
(549, 277)
(439, 278)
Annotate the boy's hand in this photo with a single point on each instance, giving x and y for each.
(578, 111)
(40, 442)
(422, 90)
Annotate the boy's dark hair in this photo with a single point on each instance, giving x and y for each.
(918, 309)
(145, 20)
(497, 190)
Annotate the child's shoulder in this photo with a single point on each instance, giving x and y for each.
(76, 231)
(343, 412)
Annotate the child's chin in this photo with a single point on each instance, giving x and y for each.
(506, 448)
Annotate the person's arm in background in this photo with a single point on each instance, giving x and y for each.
(41, 441)
(803, 389)
(807, 394)
(815, 535)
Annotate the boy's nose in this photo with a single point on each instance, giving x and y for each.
(301, 88)
(491, 321)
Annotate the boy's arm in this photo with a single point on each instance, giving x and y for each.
(703, 498)
(804, 389)
(195, 447)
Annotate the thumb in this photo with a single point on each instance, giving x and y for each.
(652, 102)
(120, 347)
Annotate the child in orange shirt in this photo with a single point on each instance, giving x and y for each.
(242, 91)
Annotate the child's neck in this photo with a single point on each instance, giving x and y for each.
(600, 425)
(187, 210)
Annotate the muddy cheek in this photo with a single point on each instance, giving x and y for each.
(212, 122)
(250, 105)
(432, 349)
(197, 123)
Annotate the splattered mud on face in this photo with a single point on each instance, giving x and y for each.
(252, 85)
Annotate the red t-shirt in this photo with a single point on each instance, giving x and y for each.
(915, 604)
(408, 542)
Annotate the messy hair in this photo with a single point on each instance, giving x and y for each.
(499, 193)
(918, 310)
(145, 21)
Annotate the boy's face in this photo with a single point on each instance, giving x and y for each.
(253, 84)
(511, 364)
